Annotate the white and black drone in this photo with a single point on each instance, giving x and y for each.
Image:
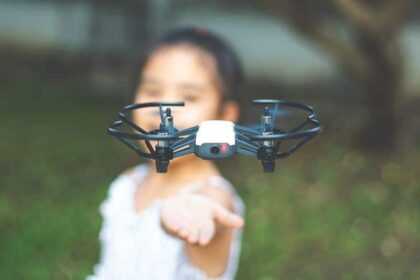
(215, 139)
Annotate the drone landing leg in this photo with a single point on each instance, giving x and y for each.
(268, 165)
(162, 166)
(164, 154)
(267, 155)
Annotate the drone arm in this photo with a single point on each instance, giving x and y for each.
(178, 149)
(184, 141)
(243, 149)
(187, 131)
(245, 145)
(245, 130)
(183, 152)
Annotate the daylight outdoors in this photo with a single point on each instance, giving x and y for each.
(345, 206)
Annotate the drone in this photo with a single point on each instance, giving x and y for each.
(215, 139)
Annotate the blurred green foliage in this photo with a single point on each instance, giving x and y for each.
(328, 212)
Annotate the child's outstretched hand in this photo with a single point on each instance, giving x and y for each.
(195, 217)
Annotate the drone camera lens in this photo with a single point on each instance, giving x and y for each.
(215, 150)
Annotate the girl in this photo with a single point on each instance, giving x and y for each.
(184, 224)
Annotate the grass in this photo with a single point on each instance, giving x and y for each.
(329, 212)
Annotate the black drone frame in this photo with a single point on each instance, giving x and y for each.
(261, 143)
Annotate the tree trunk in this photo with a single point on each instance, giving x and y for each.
(383, 97)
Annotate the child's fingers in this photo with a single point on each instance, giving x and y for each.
(207, 231)
(169, 217)
(171, 221)
(193, 234)
(197, 224)
(225, 217)
(190, 225)
(193, 220)
(176, 219)
(200, 219)
(189, 231)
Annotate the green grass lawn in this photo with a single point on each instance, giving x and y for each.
(328, 212)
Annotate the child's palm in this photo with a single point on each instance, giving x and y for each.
(193, 217)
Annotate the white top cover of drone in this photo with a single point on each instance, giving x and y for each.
(215, 131)
(133, 244)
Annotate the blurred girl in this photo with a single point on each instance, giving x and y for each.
(184, 224)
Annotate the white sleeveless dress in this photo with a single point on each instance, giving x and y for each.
(133, 244)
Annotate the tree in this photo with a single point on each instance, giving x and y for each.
(372, 56)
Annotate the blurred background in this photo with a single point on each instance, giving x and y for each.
(346, 206)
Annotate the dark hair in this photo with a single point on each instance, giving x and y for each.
(229, 67)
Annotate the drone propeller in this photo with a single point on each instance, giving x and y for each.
(274, 113)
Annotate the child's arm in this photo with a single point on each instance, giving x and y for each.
(205, 222)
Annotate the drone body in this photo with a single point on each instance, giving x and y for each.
(215, 139)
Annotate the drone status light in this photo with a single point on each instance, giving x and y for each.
(217, 139)
(224, 147)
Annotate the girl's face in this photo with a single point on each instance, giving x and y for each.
(182, 73)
